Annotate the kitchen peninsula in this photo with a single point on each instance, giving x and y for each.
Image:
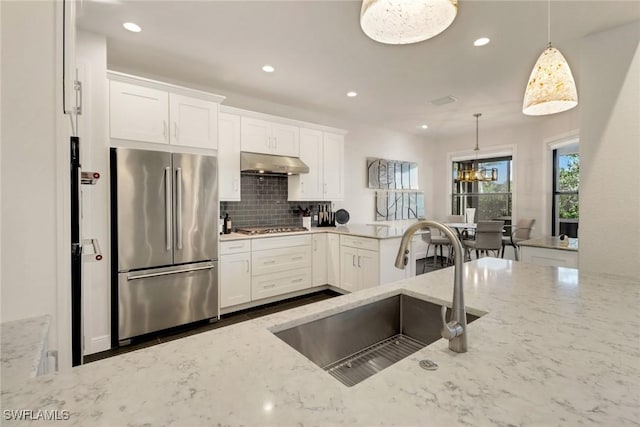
(553, 347)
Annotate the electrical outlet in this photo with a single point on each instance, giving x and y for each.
(315, 217)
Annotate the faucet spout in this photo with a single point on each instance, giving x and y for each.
(456, 329)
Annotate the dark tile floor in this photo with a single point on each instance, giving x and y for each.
(239, 316)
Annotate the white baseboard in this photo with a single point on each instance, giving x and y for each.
(97, 344)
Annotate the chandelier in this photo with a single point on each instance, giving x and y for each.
(481, 174)
(551, 88)
(406, 21)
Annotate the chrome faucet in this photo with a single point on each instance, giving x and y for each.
(456, 329)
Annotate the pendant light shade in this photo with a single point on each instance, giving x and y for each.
(551, 88)
(406, 21)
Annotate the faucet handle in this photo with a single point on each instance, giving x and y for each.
(451, 329)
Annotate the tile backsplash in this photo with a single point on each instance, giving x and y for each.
(264, 202)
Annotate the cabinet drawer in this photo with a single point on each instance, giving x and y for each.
(359, 242)
(235, 247)
(269, 285)
(281, 242)
(275, 260)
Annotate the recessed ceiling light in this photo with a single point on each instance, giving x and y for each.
(424, 126)
(268, 69)
(352, 94)
(482, 41)
(134, 28)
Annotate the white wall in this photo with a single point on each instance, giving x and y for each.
(531, 174)
(29, 172)
(610, 152)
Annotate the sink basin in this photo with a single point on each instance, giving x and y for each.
(357, 343)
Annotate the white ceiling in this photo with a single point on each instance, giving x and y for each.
(320, 53)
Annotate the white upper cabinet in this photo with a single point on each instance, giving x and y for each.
(194, 122)
(323, 152)
(262, 136)
(333, 158)
(138, 113)
(229, 157)
(149, 111)
(309, 186)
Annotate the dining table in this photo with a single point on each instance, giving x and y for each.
(462, 227)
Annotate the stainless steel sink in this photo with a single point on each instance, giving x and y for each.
(357, 343)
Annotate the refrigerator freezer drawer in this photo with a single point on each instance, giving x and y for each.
(156, 299)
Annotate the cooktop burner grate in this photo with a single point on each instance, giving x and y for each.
(270, 230)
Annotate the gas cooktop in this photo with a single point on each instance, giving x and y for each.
(270, 230)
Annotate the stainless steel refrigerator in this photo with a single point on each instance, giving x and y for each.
(164, 240)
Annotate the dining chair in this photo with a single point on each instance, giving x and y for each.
(434, 238)
(521, 231)
(488, 238)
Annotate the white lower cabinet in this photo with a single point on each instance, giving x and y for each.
(235, 279)
(235, 273)
(549, 257)
(255, 269)
(319, 260)
(333, 259)
(268, 285)
(359, 263)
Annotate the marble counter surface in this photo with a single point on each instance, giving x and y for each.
(551, 243)
(554, 348)
(23, 344)
(361, 230)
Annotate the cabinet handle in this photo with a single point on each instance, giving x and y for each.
(358, 261)
(296, 258)
(164, 129)
(302, 187)
(354, 261)
(175, 130)
(247, 265)
(269, 262)
(315, 246)
(235, 247)
(275, 143)
(296, 281)
(269, 286)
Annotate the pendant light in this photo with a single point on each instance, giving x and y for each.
(481, 174)
(406, 21)
(551, 88)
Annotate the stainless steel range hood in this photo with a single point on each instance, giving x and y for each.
(254, 163)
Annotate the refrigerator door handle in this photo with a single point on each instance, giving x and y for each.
(167, 206)
(166, 273)
(179, 207)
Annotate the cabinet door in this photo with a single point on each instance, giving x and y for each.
(138, 113)
(333, 259)
(310, 184)
(235, 279)
(255, 135)
(319, 265)
(368, 264)
(194, 122)
(333, 161)
(229, 157)
(349, 271)
(285, 140)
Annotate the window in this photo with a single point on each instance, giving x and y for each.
(492, 199)
(566, 183)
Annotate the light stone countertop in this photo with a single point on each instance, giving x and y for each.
(361, 230)
(22, 347)
(551, 243)
(555, 348)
